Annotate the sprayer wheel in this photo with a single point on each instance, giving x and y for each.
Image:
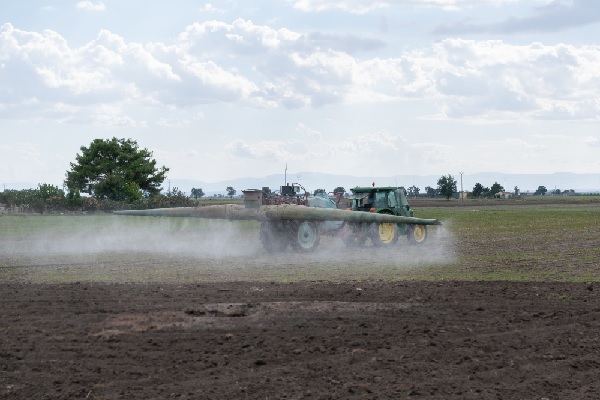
(305, 236)
(353, 235)
(273, 237)
(416, 234)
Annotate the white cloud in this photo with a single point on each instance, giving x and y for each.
(209, 7)
(592, 141)
(358, 147)
(555, 15)
(170, 123)
(493, 78)
(309, 133)
(352, 6)
(278, 151)
(90, 6)
(258, 66)
(365, 6)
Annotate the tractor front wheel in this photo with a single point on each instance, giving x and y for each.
(416, 234)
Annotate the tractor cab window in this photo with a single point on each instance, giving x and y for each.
(401, 194)
(392, 203)
(361, 200)
(380, 200)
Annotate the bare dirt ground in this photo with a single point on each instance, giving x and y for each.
(302, 340)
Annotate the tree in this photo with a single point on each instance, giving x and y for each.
(431, 192)
(541, 191)
(496, 188)
(446, 186)
(477, 190)
(44, 196)
(517, 191)
(47, 191)
(197, 193)
(319, 191)
(413, 191)
(480, 191)
(339, 191)
(175, 192)
(115, 169)
(50, 197)
(230, 192)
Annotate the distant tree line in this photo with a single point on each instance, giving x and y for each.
(114, 173)
(447, 187)
(51, 199)
(44, 198)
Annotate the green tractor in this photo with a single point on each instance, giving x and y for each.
(382, 200)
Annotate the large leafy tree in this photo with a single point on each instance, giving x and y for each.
(115, 169)
(446, 186)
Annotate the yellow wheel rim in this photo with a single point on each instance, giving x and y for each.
(419, 233)
(386, 232)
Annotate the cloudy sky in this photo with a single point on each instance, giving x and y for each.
(231, 89)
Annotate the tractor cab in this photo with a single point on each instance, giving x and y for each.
(386, 200)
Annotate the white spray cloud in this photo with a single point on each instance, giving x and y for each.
(117, 248)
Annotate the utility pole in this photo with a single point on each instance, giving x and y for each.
(462, 193)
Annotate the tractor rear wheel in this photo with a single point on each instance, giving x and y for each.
(383, 234)
(273, 237)
(416, 234)
(305, 236)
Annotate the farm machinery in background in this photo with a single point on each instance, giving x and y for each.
(293, 217)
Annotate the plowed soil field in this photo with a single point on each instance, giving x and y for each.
(304, 340)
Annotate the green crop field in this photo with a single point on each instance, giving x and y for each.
(518, 241)
(552, 241)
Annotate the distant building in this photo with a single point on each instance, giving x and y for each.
(503, 195)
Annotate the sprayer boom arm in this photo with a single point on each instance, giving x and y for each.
(277, 212)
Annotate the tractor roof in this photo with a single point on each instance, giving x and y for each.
(369, 189)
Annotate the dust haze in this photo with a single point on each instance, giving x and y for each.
(117, 248)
